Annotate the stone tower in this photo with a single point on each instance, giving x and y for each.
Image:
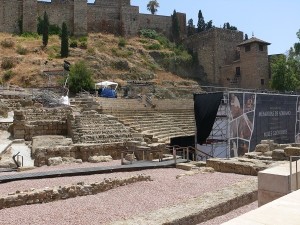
(215, 48)
(254, 63)
(80, 17)
(29, 15)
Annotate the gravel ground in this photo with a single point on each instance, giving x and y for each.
(120, 203)
(231, 215)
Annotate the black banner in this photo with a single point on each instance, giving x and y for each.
(206, 107)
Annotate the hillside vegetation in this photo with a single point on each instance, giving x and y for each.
(149, 58)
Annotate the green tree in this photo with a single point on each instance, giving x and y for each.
(201, 22)
(80, 77)
(229, 27)
(64, 50)
(190, 27)
(209, 25)
(284, 77)
(152, 6)
(45, 29)
(175, 27)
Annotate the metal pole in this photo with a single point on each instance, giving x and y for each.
(291, 171)
(296, 174)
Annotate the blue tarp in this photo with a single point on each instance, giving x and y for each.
(108, 93)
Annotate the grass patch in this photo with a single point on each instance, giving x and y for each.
(30, 35)
(53, 52)
(154, 46)
(22, 50)
(8, 75)
(7, 43)
(121, 52)
(7, 63)
(122, 42)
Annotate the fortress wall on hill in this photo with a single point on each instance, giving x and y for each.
(112, 16)
(57, 12)
(160, 23)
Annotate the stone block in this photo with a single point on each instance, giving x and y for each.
(54, 161)
(279, 154)
(185, 166)
(292, 151)
(262, 148)
(101, 158)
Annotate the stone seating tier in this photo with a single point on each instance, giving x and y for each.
(162, 125)
(92, 127)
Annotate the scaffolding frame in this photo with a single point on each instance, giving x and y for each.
(219, 135)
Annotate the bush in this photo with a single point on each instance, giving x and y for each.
(163, 41)
(22, 50)
(30, 35)
(147, 33)
(121, 52)
(122, 42)
(7, 64)
(54, 29)
(83, 45)
(73, 44)
(80, 77)
(8, 75)
(83, 39)
(154, 46)
(7, 43)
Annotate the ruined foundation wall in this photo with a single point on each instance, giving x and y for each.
(33, 122)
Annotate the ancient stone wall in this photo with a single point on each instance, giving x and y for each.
(41, 155)
(33, 122)
(33, 196)
(129, 20)
(29, 15)
(9, 15)
(58, 12)
(112, 16)
(160, 23)
(215, 48)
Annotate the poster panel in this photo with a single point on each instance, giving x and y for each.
(275, 119)
(255, 117)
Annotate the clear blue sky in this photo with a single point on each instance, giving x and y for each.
(274, 21)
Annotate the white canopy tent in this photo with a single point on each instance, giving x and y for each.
(110, 84)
